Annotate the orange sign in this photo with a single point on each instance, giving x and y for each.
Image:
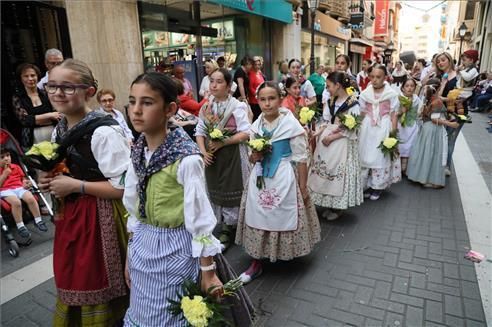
(382, 13)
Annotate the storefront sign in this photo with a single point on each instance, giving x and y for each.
(356, 21)
(333, 27)
(381, 22)
(280, 10)
(357, 48)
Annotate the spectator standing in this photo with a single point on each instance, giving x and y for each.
(52, 58)
(106, 98)
(319, 83)
(241, 78)
(179, 73)
(256, 78)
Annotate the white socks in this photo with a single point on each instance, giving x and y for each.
(38, 220)
(19, 225)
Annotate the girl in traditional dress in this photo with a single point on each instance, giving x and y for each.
(89, 249)
(429, 153)
(410, 105)
(278, 221)
(227, 167)
(334, 177)
(293, 99)
(307, 89)
(379, 105)
(171, 219)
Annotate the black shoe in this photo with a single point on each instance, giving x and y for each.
(24, 232)
(41, 226)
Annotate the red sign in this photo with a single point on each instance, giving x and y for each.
(382, 13)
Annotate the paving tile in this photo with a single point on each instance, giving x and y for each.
(414, 317)
(433, 311)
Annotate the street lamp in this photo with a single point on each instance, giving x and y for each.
(462, 30)
(313, 6)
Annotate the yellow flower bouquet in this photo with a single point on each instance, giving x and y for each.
(306, 115)
(202, 310)
(262, 145)
(45, 156)
(350, 122)
(389, 146)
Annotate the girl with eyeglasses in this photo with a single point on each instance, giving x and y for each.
(32, 108)
(90, 242)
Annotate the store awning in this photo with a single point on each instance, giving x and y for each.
(279, 10)
(360, 41)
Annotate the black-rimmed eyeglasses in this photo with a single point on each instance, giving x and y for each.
(68, 89)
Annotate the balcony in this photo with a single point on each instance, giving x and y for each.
(336, 9)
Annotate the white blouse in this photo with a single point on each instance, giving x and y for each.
(111, 151)
(199, 218)
(205, 86)
(240, 114)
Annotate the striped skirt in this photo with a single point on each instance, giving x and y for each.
(159, 261)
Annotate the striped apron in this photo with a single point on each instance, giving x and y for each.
(159, 260)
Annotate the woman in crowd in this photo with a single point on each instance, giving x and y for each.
(106, 98)
(363, 76)
(379, 105)
(334, 178)
(429, 153)
(307, 89)
(241, 78)
(33, 108)
(90, 238)
(283, 71)
(319, 83)
(293, 99)
(410, 105)
(342, 64)
(210, 67)
(277, 219)
(399, 73)
(171, 220)
(255, 79)
(226, 160)
(447, 74)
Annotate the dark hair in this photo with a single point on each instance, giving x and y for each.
(179, 86)
(347, 58)
(226, 74)
(247, 60)
(378, 66)
(160, 83)
(221, 58)
(4, 150)
(294, 60)
(430, 89)
(422, 61)
(270, 84)
(340, 78)
(290, 81)
(406, 80)
(369, 61)
(23, 67)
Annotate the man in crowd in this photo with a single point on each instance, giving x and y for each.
(52, 58)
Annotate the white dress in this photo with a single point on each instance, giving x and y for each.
(378, 170)
(408, 134)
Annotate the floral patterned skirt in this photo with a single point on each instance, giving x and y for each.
(382, 178)
(280, 245)
(352, 185)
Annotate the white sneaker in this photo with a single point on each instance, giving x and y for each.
(375, 195)
(447, 171)
(330, 215)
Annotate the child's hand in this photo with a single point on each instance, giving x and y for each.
(208, 158)
(26, 184)
(215, 146)
(210, 279)
(61, 186)
(327, 140)
(7, 170)
(255, 156)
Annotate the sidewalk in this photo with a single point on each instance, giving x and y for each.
(394, 262)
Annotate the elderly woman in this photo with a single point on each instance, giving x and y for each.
(210, 67)
(32, 108)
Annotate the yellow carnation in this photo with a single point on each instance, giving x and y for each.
(216, 134)
(350, 90)
(195, 311)
(306, 115)
(390, 142)
(257, 144)
(46, 149)
(349, 121)
(463, 117)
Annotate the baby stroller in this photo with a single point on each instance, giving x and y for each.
(8, 141)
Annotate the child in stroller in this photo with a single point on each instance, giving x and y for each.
(14, 187)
